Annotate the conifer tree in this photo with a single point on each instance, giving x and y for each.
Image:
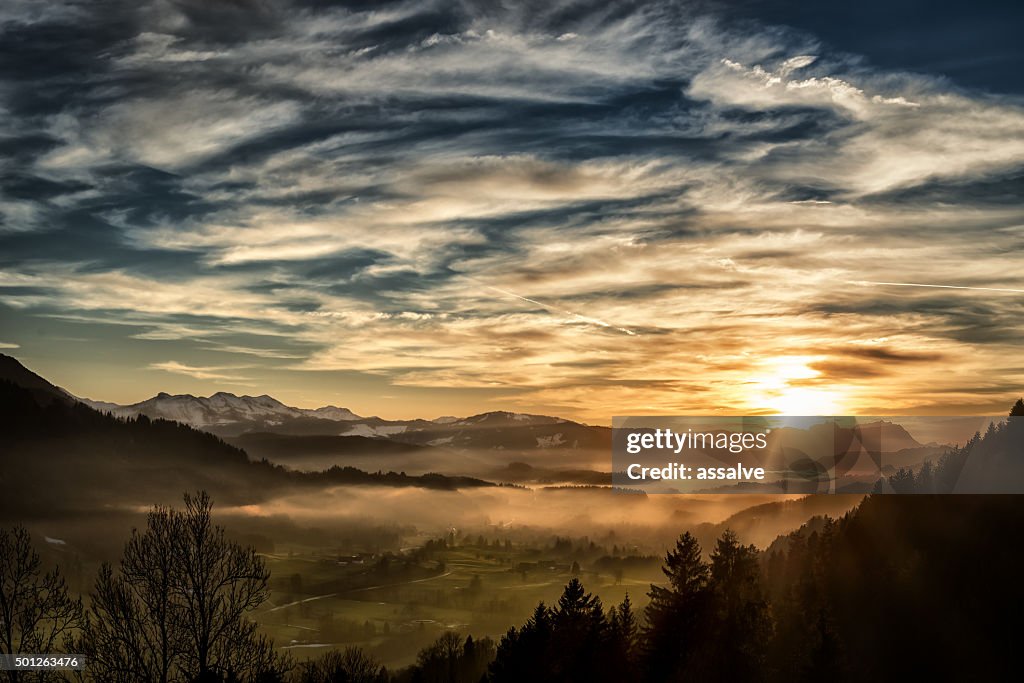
(675, 612)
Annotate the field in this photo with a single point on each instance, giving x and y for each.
(393, 605)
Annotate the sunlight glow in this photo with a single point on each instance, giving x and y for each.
(777, 393)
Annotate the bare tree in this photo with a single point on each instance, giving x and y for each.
(36, 614)
(217, 582)
(132, 631)
(349, 666)
(177, 611)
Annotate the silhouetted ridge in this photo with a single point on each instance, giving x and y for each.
(84, 459)
(42, 391)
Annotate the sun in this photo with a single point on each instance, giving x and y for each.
(778, 393)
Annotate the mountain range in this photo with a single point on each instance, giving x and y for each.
(57, 453)
(222, 411)
(316, 438)
(248, 419)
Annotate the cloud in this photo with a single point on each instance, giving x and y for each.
(204, 373)
(901, 132)
(581, 208)
(169, 131)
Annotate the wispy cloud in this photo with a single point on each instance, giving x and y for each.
(204, 373)
(583, 208)
(933, 286)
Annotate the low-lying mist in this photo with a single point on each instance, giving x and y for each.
(648, 523)
(387, 518)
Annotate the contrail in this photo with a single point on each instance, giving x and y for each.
(577, 316)
(918, 284)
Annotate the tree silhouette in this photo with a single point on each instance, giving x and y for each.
(177, 609)
(1018, 408)
(741, 620)
(352, 665)
(522, 653)
(623, 631)
(626, 625)
(36, 614)
(450, 659)
(675, 612)
(574, 641)
(439, 663)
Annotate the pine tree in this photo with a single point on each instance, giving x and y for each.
(522, 655)
(628, 624)
(740, 617)
(1018, 408)
(622, 628)
(581, 636)
(675, 611)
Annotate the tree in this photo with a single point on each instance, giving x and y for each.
(522, 654)
(126, 638)
(1018, 408)
(477, 655)
(352, 665)
(902, 481)
(439, 663)
(218, 582)
(36, 614)
(675, 612)
(627, 626)
(571, 642)
(740, 621)
(450, 659)
(581, 636)
(623, 629)
(177, 609)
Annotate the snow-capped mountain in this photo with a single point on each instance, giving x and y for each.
(500, 418)
(223, 410)
(333, 413)
(230, 416)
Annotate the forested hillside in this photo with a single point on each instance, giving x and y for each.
(60, 456)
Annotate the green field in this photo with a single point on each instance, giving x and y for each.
(393, 605)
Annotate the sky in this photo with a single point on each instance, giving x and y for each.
(585, 209)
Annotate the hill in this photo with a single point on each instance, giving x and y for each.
(42, 391)
(58, 455)
(940, 571)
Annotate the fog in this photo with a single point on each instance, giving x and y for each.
(647, 522)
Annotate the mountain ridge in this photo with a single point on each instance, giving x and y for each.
(230, 415)
(12, 370)
(220, 408)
